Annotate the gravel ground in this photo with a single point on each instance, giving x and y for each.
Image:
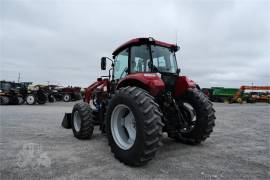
(33, 146)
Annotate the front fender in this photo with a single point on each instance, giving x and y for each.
(182, 85)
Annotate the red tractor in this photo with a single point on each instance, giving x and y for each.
(70, 93)
(142, 97)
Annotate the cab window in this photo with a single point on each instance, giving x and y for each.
(121, 65)
(164, 59)
(140, 59)
(159, 62)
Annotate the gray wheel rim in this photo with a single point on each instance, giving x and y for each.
(77, 121)
(66, 97)
(30, 99)
(123, 127)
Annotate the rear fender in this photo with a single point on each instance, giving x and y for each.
(148, 81)
(182, 85)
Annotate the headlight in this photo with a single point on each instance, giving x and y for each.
(152, 75)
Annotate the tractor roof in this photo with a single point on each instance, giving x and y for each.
(138, 41)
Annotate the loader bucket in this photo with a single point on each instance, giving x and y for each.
(66, 123)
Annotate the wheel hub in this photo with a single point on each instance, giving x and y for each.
(66, 98)
(123, 126)
(190, 117)
(30, 99)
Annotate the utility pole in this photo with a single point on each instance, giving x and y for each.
(19, 77)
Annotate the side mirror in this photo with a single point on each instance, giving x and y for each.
(103, 63)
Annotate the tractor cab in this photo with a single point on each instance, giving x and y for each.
(4, 86)
(9, 87)
(141, 60)
(143, 55)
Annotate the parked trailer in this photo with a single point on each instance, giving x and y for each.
(220, 94)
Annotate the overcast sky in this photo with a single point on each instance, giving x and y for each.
(223, 43)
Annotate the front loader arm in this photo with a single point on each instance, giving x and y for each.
(101, 84)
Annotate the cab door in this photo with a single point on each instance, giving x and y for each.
(120, 69)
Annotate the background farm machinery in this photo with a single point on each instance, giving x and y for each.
(70, 93)
(10, 94)
(249, 94)
(19, 93)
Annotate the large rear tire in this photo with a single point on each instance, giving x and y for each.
(82, 121)
(51, 98)
(4, 100)
(204, 115)
(41, 98)
(134, 126)
(41, 101)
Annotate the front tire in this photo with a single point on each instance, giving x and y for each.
(82, 121)
(205, 118)
(134, 126)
